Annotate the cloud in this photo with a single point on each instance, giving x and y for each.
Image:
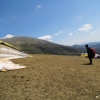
(93, 33)
(79, 42)
(85, 28)
(8, 36)
(80, 17)
(39, 6)
(70, 34)
(58, 33)
(14, 16)
(46, 37)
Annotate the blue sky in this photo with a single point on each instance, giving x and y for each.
(65, 22)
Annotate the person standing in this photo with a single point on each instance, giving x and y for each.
(90, 53)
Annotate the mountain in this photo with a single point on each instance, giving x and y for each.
(95, 45)
(37, 46)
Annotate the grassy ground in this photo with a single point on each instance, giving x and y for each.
(52, 77)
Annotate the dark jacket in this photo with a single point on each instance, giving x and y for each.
(90, 52)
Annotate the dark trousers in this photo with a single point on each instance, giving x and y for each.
(90, 59)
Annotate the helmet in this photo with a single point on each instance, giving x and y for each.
(86, 45)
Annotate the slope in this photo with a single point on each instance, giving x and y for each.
(37, 46)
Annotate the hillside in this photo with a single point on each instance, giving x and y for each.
(37, 46)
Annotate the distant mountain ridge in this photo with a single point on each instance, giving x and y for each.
(38, 46)
(95, 45)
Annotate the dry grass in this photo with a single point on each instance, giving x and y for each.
(52, 77)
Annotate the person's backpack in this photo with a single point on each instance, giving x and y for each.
(94, 51)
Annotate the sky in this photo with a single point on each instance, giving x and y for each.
(65, 22)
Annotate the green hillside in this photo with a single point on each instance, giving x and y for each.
(7, 44)
(37, 46)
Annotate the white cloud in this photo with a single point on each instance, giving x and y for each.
(39, 6)
(79, 17)
(88, 39)
(70, 34)
(8, 36)
(85, 28)
(93, 33)
(58, 33)
(46, 37)
(94, 36)
(76, 42)
(14, 16)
